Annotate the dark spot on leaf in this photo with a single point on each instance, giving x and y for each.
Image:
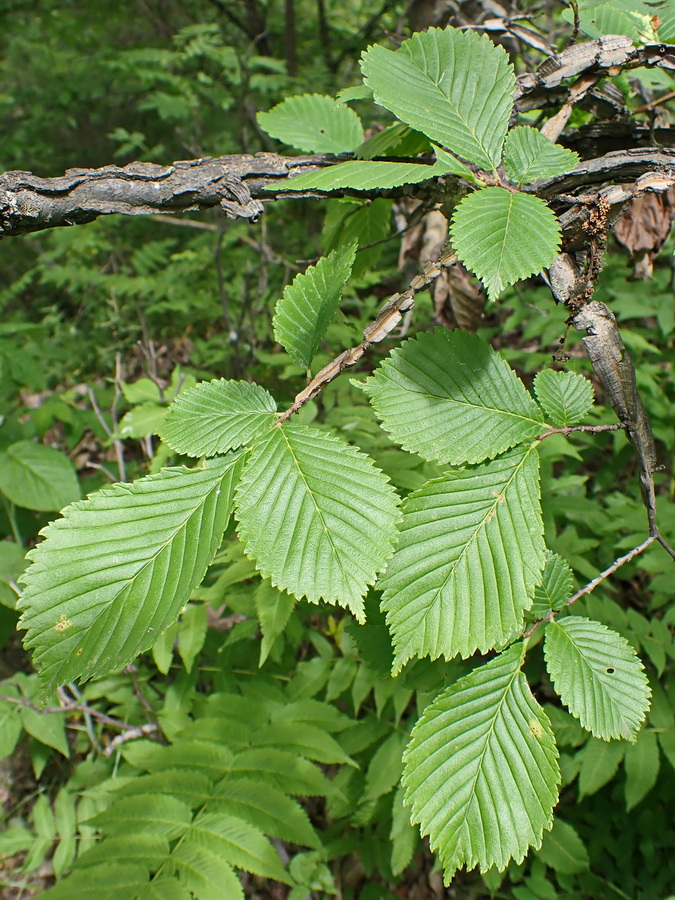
(609, 670)
(322, 130)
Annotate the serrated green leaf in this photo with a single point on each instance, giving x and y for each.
(146, 848)
(313, 123)
(217, 416)
(273, 608)
(113, 573)
(205, 873)
(37, 477)
(268, 810)
(449, 397)
(530, 156)
(563, 850)
(191, 787)
(316, 515)
(470, 552)
(14, 840)
(598, 676)
(284, 770)
(237, 843)
(599, 763)
(366, 175)
(309, 303)
(642, 763)
(105, 882)
(481, 771)
(307, 740)
(503, 237)
(453, 86)
(564, 396)
(555, 587)
(632, 18)
(165, 888)
(159, 814)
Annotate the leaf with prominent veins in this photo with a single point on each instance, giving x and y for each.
(481, 771)
(470, 552)
(316, 515)
(116, 569)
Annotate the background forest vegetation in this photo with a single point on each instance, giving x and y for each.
(103, 325)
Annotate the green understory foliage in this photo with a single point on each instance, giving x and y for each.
(330, 650)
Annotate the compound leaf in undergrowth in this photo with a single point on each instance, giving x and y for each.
(598, 676)
(269, 810)
(481, 771)
(530, 156)
(309, 302)
(453, 86)
(449, 397)
(317, 516)
(216, 416)
(159, 814)
(37, 477)
(273, 608)
(565, 397)
(313, 123)
(368, 175)
(563, 850)
(205, 873)
(503, 237)
(642, 763)
(237, 843)
(470, 552)
(115, 570)
(555, 587)
(109, 881)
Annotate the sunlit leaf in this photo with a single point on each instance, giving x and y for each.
(115, 570)
(598, 676)
(564, 396)
(481, 771)
(449, 397)
(309, 302)
(216, 416)
(313, 123)
(316, 515)
(469, 555)
(503, 237)
(453, 86)
(530, 156)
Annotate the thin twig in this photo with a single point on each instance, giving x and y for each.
(130, 734)
(593, 429)
(388, 318)
(622, 560)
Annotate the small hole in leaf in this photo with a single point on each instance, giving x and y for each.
(322, 130)
(609, 670)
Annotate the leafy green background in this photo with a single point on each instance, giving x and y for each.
(192, 298)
